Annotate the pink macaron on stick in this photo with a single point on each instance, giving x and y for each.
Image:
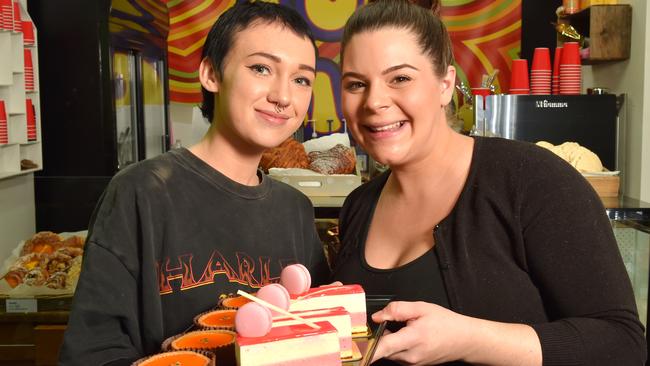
(253, 320)
(275, 294)
(296, 279)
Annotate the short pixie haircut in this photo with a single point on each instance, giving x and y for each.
(429, 30)
(243, 14)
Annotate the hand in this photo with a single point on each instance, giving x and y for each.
(433, 334)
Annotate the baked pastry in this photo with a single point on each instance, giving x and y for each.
(290, 154)
(42, 242)
(337, 160)
(581, 158)
(190, 358)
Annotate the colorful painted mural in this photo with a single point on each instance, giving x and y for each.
(485, 34)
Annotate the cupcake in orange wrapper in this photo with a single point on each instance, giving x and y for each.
(216, 319)
(178, 358)
(218, 341)
(233, 302)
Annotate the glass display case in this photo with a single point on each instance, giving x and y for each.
(630, 221)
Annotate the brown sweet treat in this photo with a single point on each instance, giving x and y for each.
(42, 242)
(290, 154)
(36, 277)
(337, 160)
(233, 302)
(15, 276)
(219, 342)
(180, 358)
(74, 242)
(216, 319)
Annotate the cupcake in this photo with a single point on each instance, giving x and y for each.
(220, 342)
(233, 302)
(216, 319)
(179, 358)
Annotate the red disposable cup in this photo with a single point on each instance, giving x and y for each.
(18, 23)
(519, 76)
(541, 59)
(6, 15)
(556, 61)
(3, 111)
(28, 32)
(29, 64)
(570, 54)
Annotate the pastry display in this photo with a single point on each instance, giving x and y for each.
(581, 158)
(290, 154)
(322, 155)
(297, 344)
(338, 160)
(47, 260)
(275, 326)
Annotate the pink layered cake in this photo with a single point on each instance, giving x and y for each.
(351, 297)
(295, 345)
(338, 317)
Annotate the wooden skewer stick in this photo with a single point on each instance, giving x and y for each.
(275, 308)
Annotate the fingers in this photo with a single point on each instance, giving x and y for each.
(391, 344)
(400, 311)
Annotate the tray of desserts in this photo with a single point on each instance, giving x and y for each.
(325, 166)
(287, 322)
(47, 264)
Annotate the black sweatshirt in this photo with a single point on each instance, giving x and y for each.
(527, 242)
(169, 236)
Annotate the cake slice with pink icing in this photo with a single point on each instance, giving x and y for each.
(338, 317)
(295, 345)
(351, 297)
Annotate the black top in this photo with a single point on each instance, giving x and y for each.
(528, 242)
(397, 282)
(169, 237)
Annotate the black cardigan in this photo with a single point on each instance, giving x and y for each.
(528, 242)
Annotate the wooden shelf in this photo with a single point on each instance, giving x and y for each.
(608, 29)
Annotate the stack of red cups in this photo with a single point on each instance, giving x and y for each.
(18, 23)
(555, 83)
(6, 15)
(570, 71)
(31, 120)
(28, 33)
(29, 70)
(4, 132)
(540, 72)
(519, 78)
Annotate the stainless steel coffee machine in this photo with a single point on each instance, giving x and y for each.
(590, 120)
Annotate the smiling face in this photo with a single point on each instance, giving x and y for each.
(392, 100)
(265, 89)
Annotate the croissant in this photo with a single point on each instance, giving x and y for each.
(290, 154)
(42, 242)
(337, 160)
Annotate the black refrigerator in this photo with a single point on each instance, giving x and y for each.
(104, 99)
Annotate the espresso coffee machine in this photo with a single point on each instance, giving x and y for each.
(590, 120)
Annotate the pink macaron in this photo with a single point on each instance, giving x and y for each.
(253, 320)
(275, 294)
(296, 279)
